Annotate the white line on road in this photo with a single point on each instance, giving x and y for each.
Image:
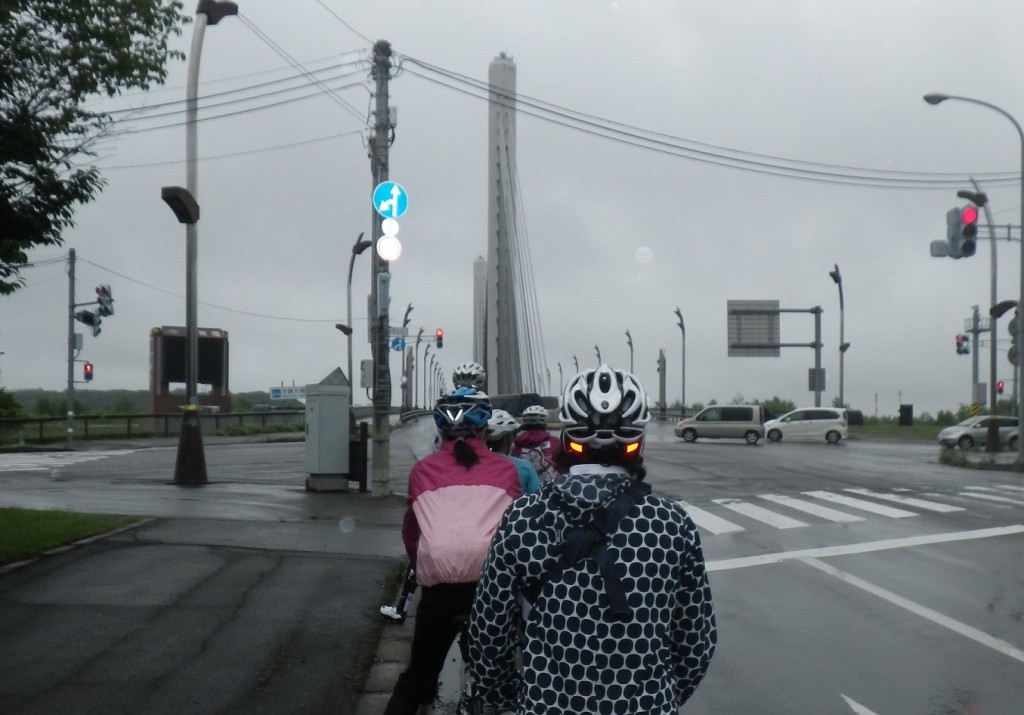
(857, 707)
(811, 508)
(779, 521)
(909, 501)
(708, 521)
(963, 629)
(992, 497)
(861, 504)
(862, 548)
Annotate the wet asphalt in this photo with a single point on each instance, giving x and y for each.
(210, 611)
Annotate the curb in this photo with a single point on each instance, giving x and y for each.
(15, 565)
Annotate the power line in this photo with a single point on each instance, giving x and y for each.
(209, 305)
(706, 153)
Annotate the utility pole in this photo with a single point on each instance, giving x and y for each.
(70, 429)
(380, 279)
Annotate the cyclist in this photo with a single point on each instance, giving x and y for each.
(606, 581)
(501, 430)
(469, 374)
(536, 444)
(456, 497)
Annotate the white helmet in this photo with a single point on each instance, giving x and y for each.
(604, 408)
(501, 425)
(469, 374)
(534, 415)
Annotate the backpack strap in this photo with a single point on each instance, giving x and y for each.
(591, 541)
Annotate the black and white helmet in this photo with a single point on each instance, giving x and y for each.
(462, 411)
(534, 415)
(469, 374)
(501, 425)
(604, 408)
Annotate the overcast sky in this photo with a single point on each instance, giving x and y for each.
(619, 235)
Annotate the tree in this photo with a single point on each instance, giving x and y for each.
(54, 57)
(10, 408)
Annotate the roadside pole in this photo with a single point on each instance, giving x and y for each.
(69, 435)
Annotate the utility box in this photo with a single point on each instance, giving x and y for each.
(328, 414)
(906, 416)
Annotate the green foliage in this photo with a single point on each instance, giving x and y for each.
(9, 405)
(54, 58)
(777, 406)
(26, 533)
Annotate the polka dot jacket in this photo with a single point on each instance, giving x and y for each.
(575, 658)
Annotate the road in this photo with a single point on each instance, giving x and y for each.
(858, 578)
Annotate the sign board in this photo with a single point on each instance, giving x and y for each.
(295, 392)
(390, 200)
(815, 384)
(753, 328)
(398, 344)
(975, 409)
(395, 331)
(981, 392)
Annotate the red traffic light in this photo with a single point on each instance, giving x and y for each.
(87, 371)
(439, 337)
(969, 214)
(999, 387)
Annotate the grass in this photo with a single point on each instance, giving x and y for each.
(891, 430)
(26, 533)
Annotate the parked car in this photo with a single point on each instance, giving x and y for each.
(724, 421)
(828, 423)
(974, 431)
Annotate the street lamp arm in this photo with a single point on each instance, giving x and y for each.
(936, 98)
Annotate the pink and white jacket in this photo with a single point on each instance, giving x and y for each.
(453, 512)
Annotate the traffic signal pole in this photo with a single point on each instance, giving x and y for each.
(379, 281)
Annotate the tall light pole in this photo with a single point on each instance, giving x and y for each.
(358, 247)
(843, 345)
(561, 383)
(682, 327)
(936, 99)
(598, 351)
(629, 340)
(426, 401)
(415, 369)
(576, 363)
(190, 467)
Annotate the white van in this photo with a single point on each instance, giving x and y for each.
(724, 421)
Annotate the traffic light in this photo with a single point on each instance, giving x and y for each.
(963, 345)
(968, 230)
(91, 319)
(439, 338)
(999, 387)
(1014, 352)
(105, 299)
(87, 371)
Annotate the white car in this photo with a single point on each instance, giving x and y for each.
(828, 423)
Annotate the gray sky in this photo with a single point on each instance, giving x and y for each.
(619, 235)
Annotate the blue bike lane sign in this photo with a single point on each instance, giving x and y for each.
(390, 199)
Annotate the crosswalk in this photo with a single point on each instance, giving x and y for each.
(48, 461)
(781, 511)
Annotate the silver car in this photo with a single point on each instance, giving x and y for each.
(974, 431)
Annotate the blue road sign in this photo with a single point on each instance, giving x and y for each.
(398, 344)
(390, 199)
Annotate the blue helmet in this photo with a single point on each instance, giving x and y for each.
(462, 411)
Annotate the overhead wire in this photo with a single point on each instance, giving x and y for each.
(706, 153)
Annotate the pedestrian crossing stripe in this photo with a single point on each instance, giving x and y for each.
(866, 500)
(43, 461)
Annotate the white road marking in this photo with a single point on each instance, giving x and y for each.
(707, 521)
(857, 707)
(862, 548)
(909, 501)
(779, 521)
(992, 497)
(811, 508)
(42, 461)
(862, 505)
(963, 629)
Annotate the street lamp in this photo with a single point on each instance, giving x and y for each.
(415, 365)
(426, 352)
(190, 466)
(576, 363)
(629, 339)
(561, 383)
(843, 345)
(598, 351)
(682, 327)
(358, 247)
(936, 99)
